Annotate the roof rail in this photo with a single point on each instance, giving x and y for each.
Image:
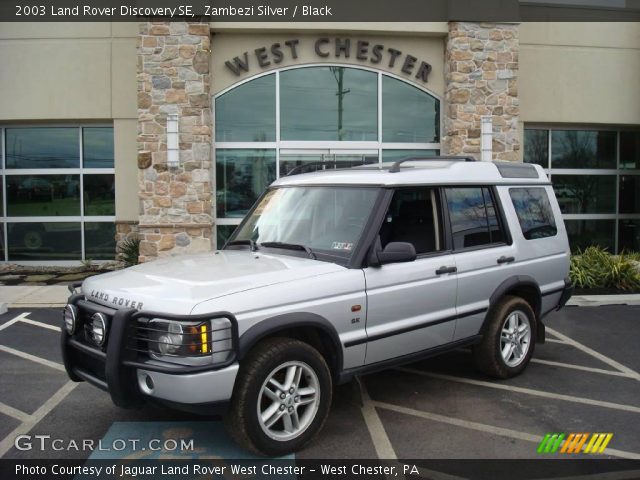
(395, 168)
(330, 163)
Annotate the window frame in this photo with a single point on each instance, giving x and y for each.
(81, 219)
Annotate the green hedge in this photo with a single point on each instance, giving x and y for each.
(594, 267)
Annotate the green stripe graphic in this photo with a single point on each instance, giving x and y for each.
(550, 443)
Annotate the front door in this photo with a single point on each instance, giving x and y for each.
(411, 306)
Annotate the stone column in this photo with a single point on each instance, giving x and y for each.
(481, 76)
(173, 77)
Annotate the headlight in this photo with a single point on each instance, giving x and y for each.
(97, 329)
(70, 316)
(196, 342)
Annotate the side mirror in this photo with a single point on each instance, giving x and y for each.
(395, 252)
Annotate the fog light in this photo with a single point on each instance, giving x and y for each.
(98, 328)
(70, 315)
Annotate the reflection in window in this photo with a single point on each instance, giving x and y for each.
(629, 194)
(395, 155)
(328, 103)
(629, 235)
(248, 112)
(44, 241)
(585, 193)
(223, 232)
(630, 150)
(536, 147)
(469, 217)
(100, 240)
(321, 218)
(99, 195)
(583, 149)
(311, 162)
(97, 146)
(534, 212)
(584, 233)
(241, 176)
(43, 195)
(42, 148)
(408, 114)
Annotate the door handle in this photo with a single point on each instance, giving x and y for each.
(444, 269)
(504, 259)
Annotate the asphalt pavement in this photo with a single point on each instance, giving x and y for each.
(584, 379)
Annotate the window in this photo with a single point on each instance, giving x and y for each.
(57, 191)
(328, 220)
(327, 115)
(474, 221)
(534, 212)
(413, 218)
(328, 103)
(596, 178)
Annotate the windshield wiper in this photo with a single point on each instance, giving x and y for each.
(252, 244)
(290, 246)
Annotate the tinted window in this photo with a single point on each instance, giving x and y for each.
(248, 113)
(413, 218)
(583, 149)
(97, 145)
(328, 103)
(408, 114)
(42, 148)
(474, 221)
(536, 147)
(534, 212)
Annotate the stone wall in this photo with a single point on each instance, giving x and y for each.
(481, 77)
(173, 77)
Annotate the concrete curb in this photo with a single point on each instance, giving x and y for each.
(600, 300)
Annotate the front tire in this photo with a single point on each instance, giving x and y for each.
(509, 339)
(281, 398)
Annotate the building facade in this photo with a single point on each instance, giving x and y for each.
(89, 156)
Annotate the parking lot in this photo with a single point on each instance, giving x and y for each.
(584, 379)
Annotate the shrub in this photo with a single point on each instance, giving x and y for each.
(129, 250)
(596, 268)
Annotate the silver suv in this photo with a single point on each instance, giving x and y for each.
(331, 274)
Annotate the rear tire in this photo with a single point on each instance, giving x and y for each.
(281, 398)
(509, 339)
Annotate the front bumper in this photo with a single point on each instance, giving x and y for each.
(132, 378)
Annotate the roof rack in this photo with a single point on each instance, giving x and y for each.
(395, 168)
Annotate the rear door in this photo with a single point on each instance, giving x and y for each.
(411, 306)
(483, 252)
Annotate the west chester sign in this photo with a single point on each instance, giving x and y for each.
(339, 48)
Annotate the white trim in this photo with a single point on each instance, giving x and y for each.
(228, 221)
(246, 145)
(59, 171)
(58, 219)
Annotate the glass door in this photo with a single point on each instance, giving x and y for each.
(292, 161)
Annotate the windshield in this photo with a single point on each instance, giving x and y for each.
(325, 219)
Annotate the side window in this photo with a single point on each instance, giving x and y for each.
(474, 220)
(413, 217)
(534, 212)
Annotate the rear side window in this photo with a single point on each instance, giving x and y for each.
(534, 212)
(474, 221)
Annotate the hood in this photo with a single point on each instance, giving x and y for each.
(176, 284)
